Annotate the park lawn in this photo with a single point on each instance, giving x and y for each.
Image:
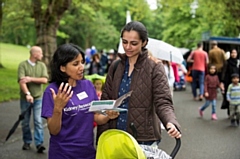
(10, 56)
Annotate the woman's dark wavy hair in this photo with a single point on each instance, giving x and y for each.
(139, 28)
(63, 55)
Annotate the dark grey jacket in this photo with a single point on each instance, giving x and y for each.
(150, 101)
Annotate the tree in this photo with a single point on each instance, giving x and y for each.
(87, 26)
(234, 9)
(18, 25)
(1, 15)
(47, 17)
(99, 23)
(181, 28)
(154, 24)
(223, 14)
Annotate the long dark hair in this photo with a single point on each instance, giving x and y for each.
(63, 55)
(139, 28)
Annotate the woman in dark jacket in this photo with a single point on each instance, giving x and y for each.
(150, 101)
(231, 66)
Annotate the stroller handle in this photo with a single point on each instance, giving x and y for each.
(175, 149)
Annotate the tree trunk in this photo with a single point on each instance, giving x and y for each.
(47, 23)
(46, 39)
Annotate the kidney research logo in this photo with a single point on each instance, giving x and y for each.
(75, 109)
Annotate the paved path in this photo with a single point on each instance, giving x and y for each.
(202, 137)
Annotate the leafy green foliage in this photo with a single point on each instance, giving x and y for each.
(219, 17)
(99, 22)
(17, 24)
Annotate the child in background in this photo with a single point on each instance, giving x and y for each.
(210, 88)
(233, 96)
(179, 84)
(98, 84)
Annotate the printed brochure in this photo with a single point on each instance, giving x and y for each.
(103, 105)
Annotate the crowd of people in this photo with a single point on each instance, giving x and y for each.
(98, 62)
(66, 100)
(214, 70)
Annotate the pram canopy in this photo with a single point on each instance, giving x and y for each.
(119, 144)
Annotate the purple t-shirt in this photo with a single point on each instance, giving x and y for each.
(75, 139)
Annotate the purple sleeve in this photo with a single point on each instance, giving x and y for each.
(47, 103)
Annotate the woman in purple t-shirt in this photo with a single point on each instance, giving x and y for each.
(65, 106)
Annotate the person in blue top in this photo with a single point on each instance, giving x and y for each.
(233, 97)
(65, 106)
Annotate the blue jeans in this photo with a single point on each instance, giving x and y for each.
(38, 127)
(207, 103)
(197, 76)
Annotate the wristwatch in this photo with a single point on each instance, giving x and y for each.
(28, 93)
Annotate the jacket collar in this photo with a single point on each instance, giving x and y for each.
(142, 56)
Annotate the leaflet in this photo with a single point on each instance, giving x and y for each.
(101, 106)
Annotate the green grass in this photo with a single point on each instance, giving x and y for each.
(10, 56)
